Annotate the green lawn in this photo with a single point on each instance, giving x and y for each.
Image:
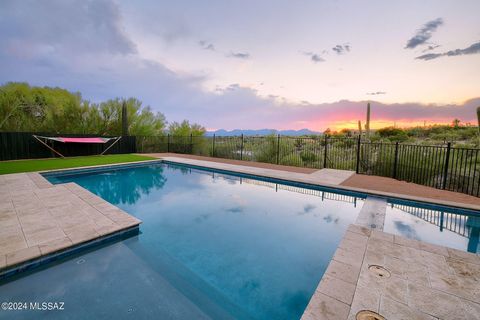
(51, 164)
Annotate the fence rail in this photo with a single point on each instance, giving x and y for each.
(443, 167)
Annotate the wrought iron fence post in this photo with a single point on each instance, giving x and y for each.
(445, 170)
(213, 146)
(395, 161)
(358, 153)
(278, 149)
(241, 149)
(191, 143)
(168, 142)
(325, 152)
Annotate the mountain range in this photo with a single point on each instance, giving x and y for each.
(261, 132)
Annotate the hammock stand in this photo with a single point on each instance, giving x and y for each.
(76, 140)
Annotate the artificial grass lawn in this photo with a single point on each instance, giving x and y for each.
(58, 163)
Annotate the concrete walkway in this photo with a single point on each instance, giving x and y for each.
(383, 184)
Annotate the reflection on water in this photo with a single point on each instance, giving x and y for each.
(121, 186)
(459, 230)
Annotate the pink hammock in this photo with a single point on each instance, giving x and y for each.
(76, 140)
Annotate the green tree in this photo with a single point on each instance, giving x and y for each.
(186, 129)
(56, 110)
(393, 134)
(141, 120)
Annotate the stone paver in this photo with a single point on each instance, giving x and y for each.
(332, 176)
(38, 218)
(323, 307)
(336, 288)
(373, 213)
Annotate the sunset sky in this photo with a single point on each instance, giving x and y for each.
(255, 64)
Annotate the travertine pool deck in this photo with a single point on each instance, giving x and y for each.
(425, 281)
(38, 218)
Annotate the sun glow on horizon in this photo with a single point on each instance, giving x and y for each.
(379, 124)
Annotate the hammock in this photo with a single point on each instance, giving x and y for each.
(76, 140)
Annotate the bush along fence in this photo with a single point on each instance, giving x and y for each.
(22, 145)
(443, 167)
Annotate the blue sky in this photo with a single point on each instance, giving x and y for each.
(255, 64)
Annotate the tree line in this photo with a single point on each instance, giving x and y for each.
(55, 110)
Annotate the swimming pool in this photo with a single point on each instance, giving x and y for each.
(211, 246)
(214, 244)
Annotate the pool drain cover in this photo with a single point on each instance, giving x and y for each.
(379, 271)
(369, 315)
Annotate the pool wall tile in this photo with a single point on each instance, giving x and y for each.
(62, 252)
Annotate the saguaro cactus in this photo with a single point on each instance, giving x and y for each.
(367, 124)
(478, 119)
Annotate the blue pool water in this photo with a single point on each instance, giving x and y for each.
(211, 246)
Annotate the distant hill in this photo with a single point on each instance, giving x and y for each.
(261, 132)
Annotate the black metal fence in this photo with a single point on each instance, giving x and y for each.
(442, 167)
(22, 145)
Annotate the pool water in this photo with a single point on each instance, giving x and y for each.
(211, 246)
(449, 227)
